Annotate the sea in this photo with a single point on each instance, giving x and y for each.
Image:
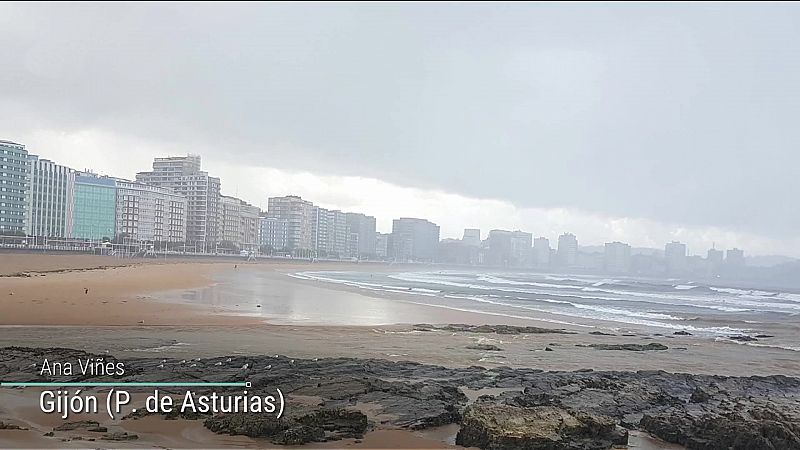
(755, 316)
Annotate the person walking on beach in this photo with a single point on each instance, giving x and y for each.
(85, 291)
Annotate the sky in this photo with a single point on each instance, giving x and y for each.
(642, 123)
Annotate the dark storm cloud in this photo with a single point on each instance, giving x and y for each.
(681, 113)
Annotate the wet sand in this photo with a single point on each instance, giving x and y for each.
(166, 308)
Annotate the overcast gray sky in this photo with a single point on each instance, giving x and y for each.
(637, 122)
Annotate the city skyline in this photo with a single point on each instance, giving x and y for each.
(165, 169)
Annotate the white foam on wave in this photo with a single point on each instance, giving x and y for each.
(695, 301)
(610, 315)
(576, 310)
(757, 344)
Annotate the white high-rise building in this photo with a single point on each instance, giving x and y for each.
(299, 217)
(382, 245)
(238, 222)
(414, 240)
(541, 252)
(273, 234)
(50, 194)
(331, 233)
(675, 256)
(149, 213)
(617, 257)
(472, 237)
(362, 235)
(567, 252)
(182, 175)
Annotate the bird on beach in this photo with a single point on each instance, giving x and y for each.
(269, 366)
(218, 364)
(245, 366)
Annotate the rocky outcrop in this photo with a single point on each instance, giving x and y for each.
(301, 426)
(8, 426)
(498, 329)
(89, 425)
(750, 428)
(627, 347)
(349, 396)
(493, 426)
(120, 436)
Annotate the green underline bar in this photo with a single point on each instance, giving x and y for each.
(122, 384)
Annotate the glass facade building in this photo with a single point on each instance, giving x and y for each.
(14, 177)
(94, 207)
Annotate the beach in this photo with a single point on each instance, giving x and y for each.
(184, 309)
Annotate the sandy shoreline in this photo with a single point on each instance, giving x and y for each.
(164, 309)
(125, 312)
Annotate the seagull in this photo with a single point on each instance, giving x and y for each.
(245, 366)
(218, 364)
(291, 362)
(269, 367)
(183, 361)
(160, 366)
(228, 360)
(193, 365)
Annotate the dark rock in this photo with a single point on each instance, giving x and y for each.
(298, 427)
(738, 431)
(764, 336)
(81, 424)
(119, 436)
(8, 426)
(627, 347)
(742, 338)
(699, 396)
(499, 329)
(700, 410)
(548, 349)
(485, 347)
(600, 333)
(494, 427)
(682, 333)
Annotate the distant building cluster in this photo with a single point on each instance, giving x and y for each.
(513, 249)
(178, 206)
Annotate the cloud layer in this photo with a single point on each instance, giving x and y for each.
(631, 122)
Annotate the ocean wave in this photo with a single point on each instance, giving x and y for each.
(550, 301)
(610, 315)
(757, 344)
